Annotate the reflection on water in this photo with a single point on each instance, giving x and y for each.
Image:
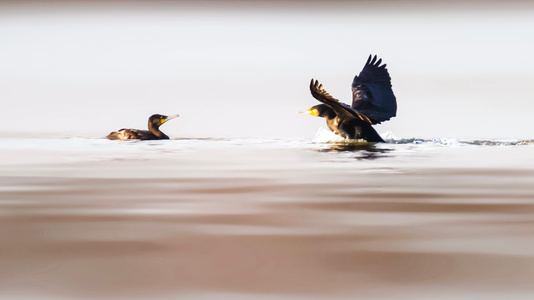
(265, 219)
(361, 150)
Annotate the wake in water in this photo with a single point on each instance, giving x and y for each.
(325, 136)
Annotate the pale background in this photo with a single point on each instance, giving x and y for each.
(241, 69)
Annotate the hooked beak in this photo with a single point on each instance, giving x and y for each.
(172, 117)
(162, 121)
(311, 112)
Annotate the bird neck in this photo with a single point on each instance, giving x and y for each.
(155, 131)
(329, 114)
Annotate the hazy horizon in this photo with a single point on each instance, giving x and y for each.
(242, 69)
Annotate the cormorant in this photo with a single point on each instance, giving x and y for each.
(373, 102)
(153, 132)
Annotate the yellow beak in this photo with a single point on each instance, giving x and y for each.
(311, 112)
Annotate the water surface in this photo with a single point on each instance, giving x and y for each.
(88, 218)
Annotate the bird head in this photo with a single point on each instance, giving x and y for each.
(158, 120)
(320, 110)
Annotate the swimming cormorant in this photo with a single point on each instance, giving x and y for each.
(373, 102)
(153, 132)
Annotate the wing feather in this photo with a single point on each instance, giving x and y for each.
(372, 94)
(129, 134)
(342, 110)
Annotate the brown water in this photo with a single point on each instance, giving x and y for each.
(265, 219)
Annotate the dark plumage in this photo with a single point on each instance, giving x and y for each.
(373, 102)
(153, 132)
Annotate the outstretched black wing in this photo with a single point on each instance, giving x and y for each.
(342, 110)
(371, 92)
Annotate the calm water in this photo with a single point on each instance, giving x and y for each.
(87, 218)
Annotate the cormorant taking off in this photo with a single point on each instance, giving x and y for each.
(373, 102)
(153, 132)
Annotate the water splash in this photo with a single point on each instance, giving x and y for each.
(499, 143)
(325, 136)
(460, 142)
